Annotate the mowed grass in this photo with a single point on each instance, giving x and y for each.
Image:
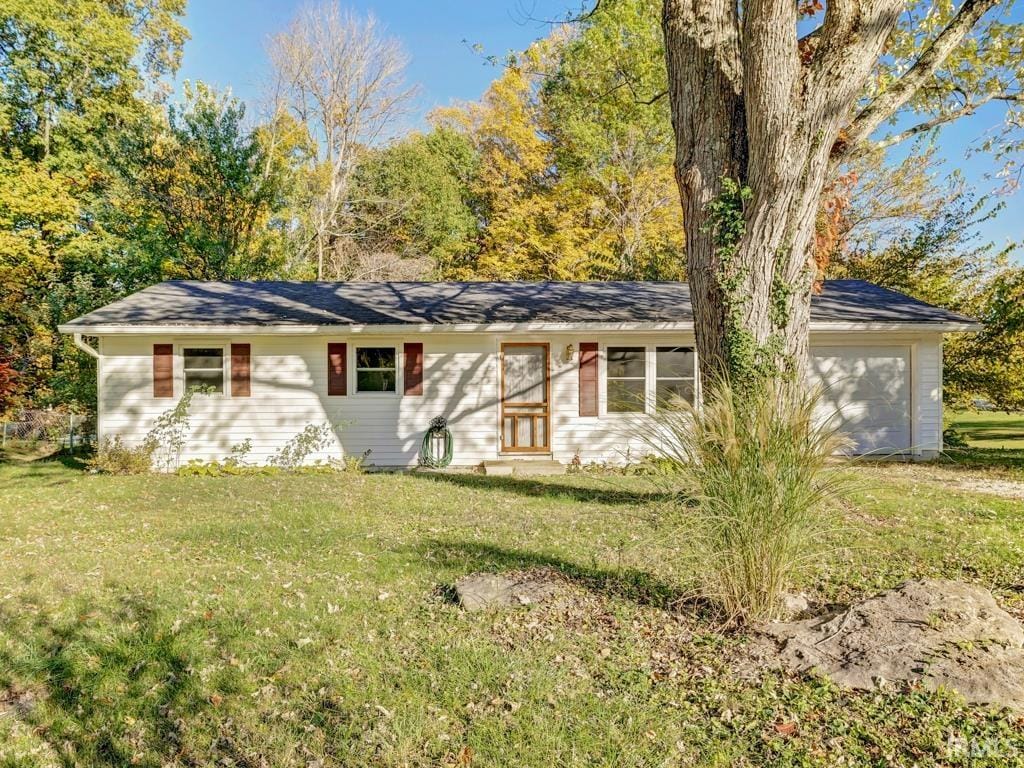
(992, 429)
(306, 620)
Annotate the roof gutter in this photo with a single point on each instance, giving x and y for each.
(83, 346)
(404, 328)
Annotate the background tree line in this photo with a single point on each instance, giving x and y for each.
(563, 170)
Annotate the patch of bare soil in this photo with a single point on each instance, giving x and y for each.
(556, 604)
(932, 632)
(1006, 488)
(991, 482)
(18, 701)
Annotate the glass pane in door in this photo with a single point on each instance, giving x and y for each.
(524, 403)
(525, 373)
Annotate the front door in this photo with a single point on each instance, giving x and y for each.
(525, 396)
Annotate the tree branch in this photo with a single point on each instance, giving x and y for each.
(628, 82)
(572, 18)
(887, 103)
(647, 102)
(935, 122)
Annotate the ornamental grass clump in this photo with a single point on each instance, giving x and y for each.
(758, 483)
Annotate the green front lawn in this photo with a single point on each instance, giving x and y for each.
(306, 620)
(991, 429)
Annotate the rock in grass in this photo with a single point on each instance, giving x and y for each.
(481, 591)
(935, 632)
(795, 604)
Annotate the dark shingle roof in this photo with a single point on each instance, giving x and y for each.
(208, 303)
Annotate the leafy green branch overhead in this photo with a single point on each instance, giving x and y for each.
(566, 167)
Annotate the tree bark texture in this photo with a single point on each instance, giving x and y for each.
(751, 107)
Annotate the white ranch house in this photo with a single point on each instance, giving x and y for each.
(526, 370)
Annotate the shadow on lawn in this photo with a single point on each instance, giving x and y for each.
(610, 493)
(629, 583)
(39, 463)
(984, 458)
(106, 684)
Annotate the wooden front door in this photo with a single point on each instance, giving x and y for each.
(525, 398)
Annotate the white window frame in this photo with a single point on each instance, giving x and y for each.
(650, 375)
(645, 348)
(224, 347)
(693, 350)
(355, 370)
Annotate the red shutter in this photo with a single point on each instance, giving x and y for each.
(588, 378)
(414, 369)
(337, 379)
(240, 367)
(163, 370)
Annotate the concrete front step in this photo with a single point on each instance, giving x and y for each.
(523, 467)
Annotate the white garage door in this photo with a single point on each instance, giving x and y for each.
(866, 391)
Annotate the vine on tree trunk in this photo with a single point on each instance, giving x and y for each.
(749, 362)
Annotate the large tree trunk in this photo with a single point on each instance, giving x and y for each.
(756, 113)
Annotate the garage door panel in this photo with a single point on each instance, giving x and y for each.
(866, 393)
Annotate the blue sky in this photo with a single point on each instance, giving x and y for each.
(228, 48)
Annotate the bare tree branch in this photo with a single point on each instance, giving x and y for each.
(343, 80)
(576, 18)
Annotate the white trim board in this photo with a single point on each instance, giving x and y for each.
(403, 329)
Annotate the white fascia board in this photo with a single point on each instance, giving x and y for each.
(399, 328)
(364, 330)
(943, 327)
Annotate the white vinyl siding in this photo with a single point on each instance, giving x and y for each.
(461, 382)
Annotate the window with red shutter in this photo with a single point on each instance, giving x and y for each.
(588, 378)
(337, 374)
(240, 370)
(414, 369)
(163, 370)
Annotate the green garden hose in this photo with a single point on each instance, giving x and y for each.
(438, 430)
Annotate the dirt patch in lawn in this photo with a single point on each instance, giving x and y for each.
(1006, 488)
(989, 481)
(19, 701)
(672, 644)
(933, 633)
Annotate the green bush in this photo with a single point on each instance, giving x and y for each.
(954, 438)
(757, 481)
(116, 458)
(293, 454)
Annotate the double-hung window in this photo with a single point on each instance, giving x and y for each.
(376, 369)
(675, 376)
(640, 379)
(627, 379)
(203, 368)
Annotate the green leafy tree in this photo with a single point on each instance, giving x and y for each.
(569, 185)
(611, 132)
(412, 198)
(939, 258)
(206, 190)
(990, 364)
(72, 75)
(527, 231)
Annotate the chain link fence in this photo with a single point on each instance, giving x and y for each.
(61, 428)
